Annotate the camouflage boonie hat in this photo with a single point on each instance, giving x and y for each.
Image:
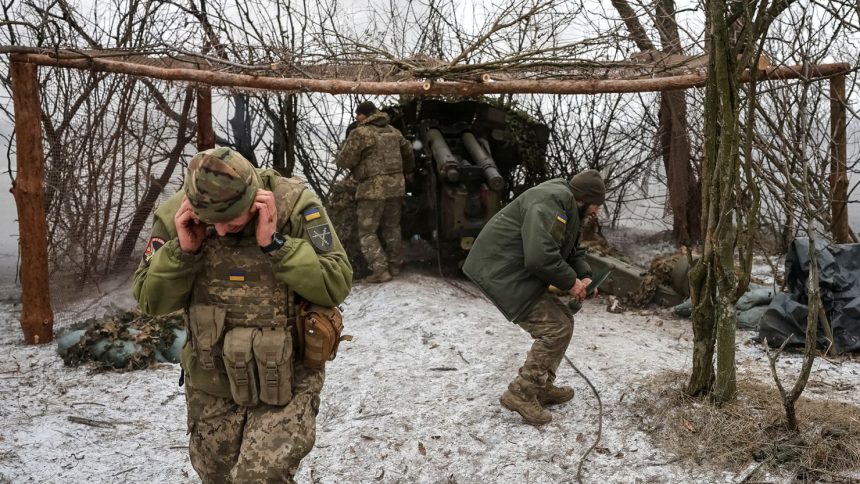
(221, 185)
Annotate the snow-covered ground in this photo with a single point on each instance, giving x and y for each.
(414, 398)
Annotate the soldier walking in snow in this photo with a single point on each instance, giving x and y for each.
(378, 155)
(244, 252)
(530, 244)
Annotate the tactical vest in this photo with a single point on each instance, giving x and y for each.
(238, 277)
(241, 318)
(383, 157)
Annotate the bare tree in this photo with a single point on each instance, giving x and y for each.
(683, 184)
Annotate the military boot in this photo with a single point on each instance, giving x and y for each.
(527, 406)
(378, 277)
(554, 395)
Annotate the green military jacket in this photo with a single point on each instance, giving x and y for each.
(378, 156)
(164, 279)
(529, 244)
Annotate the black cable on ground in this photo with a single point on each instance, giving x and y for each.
(599, 420)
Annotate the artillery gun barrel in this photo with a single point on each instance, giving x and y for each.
(445, 160)
(485, 161)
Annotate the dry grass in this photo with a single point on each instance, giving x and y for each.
(751, 429)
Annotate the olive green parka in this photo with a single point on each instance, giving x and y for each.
(529, 244)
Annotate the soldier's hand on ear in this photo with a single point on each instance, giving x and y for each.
(190, 230)
(267, 217)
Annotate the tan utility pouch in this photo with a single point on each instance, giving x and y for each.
(319, 330)
(241, 369)
(273, 350)
(207, 325)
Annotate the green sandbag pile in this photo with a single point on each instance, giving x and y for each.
(126, 340)
(750, 307)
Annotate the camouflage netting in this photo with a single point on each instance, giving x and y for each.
(126, 340)
(659, 273)
(520, 128)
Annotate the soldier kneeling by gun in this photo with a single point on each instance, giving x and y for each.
(254, 263)
(530, 244)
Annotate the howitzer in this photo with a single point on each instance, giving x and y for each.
(574, 304)
(481, 158)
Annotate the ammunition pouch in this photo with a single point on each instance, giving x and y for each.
(259, 364)
(206, 324)
(273, 351)
(319, 330)
(240, 365)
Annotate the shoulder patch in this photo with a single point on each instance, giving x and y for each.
(153, 245)
(321, 237)
(312, 213)
(561, 218)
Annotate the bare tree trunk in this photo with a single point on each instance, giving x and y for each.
(713, 282)
(789, 398)
(240, 125)
(283, 119)
(156, 187)
(37, 317)
(714, 285)
(684, 191)
(292, 123)
(702, 286)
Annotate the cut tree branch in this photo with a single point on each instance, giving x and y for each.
(564, 86)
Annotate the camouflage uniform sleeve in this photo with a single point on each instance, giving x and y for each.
(408, 156)
(542, 232)
(350, 153)
(163, 280)
(312, 262)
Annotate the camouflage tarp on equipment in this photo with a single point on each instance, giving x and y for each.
(126, 340)
(660, 272)
(750, 307)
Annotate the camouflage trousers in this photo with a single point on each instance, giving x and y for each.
(550, 323)
(371, 214)
(264, 444)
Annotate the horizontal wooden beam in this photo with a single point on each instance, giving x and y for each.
(330, 86)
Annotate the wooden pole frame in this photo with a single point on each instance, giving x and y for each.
(838, 163)
(37, 317)
(205, 132)
(330, 86)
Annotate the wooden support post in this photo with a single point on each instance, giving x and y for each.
(37, 318)
(838, 163)
(205, 133)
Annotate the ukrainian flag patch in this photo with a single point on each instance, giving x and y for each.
(561, 218)
(237, 275)
(312, 214)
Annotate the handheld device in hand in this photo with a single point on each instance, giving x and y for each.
(599, 279)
